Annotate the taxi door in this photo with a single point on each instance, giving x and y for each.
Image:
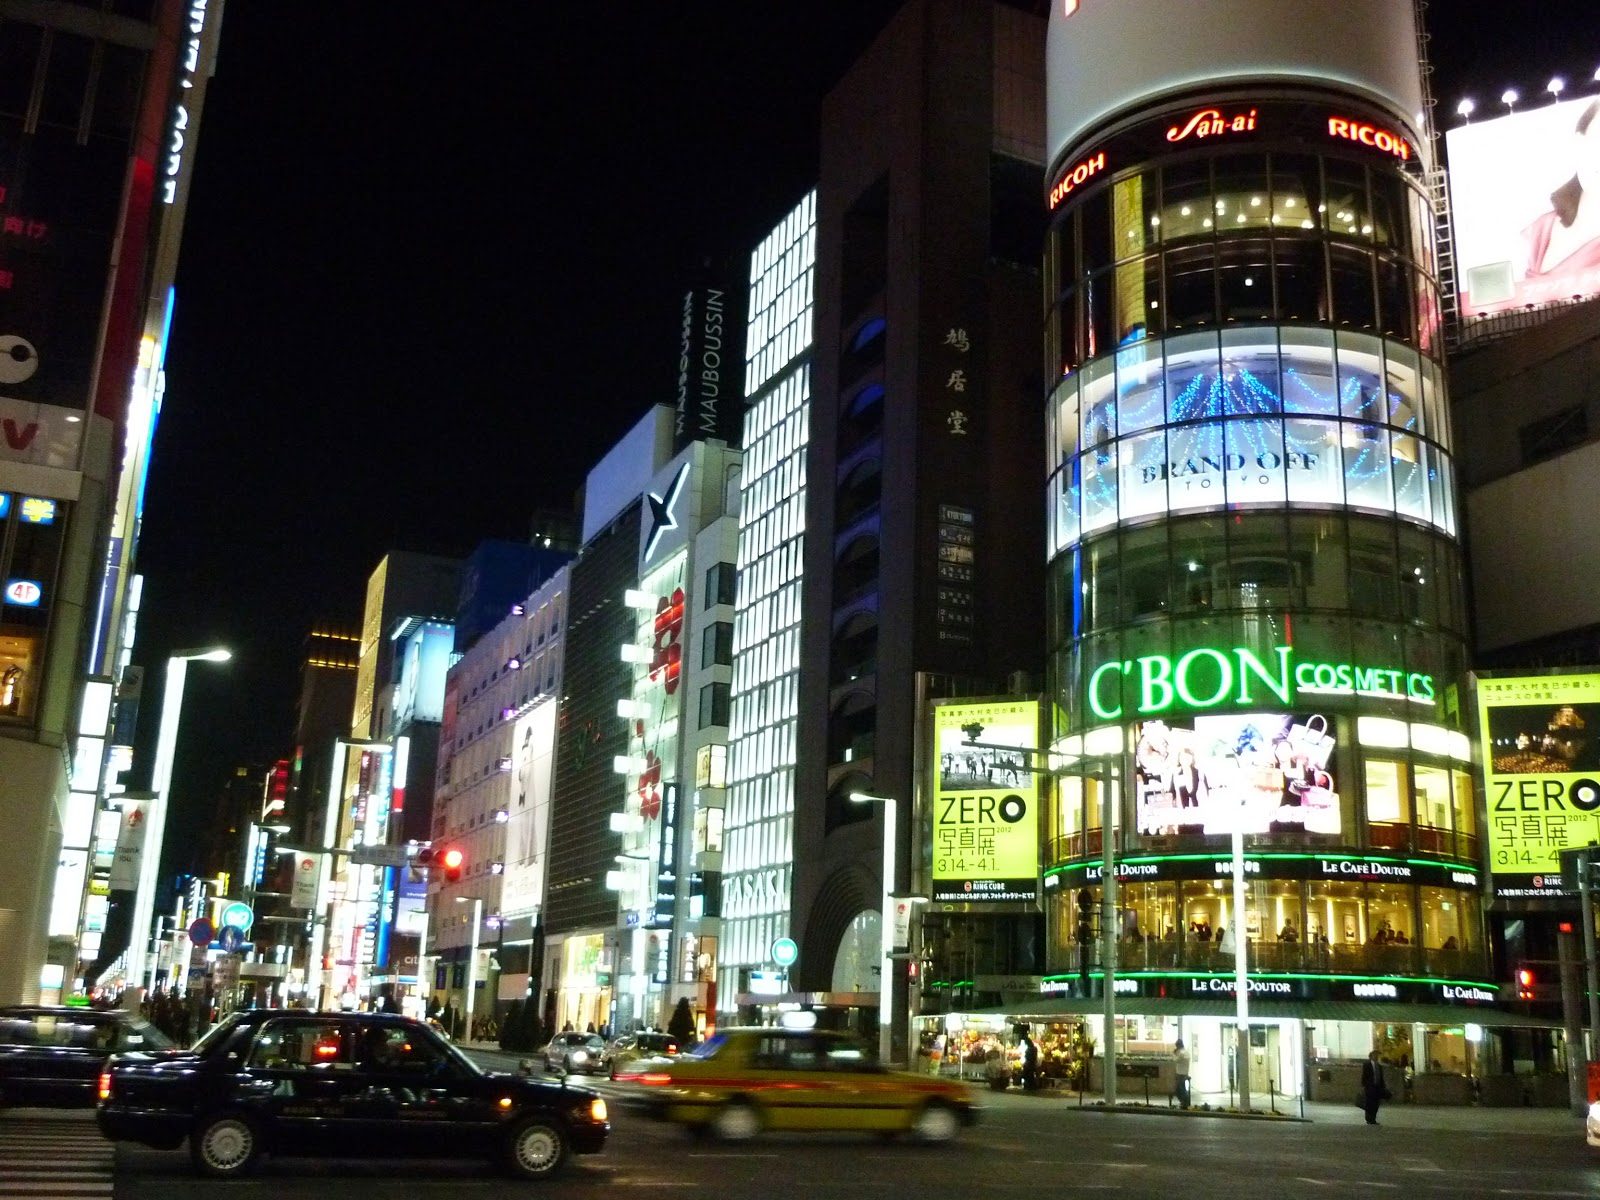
(415, 1099)
(297, 1080)
(796, 1090)
(868, 1095)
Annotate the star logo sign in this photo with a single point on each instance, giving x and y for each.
(661, 515)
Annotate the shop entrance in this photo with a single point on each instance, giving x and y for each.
(1265, 1064)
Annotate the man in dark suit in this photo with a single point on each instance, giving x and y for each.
(1373, 1090)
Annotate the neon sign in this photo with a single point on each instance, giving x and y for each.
(1211, 678)
(1075, 178)
(1369, 135)
(1209, 122)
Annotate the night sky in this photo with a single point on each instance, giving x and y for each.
(431, 272)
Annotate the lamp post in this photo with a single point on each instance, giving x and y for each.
(472, 958)
(887, 976)
(139, 959)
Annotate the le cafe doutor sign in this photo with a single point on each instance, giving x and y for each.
(1215, 121)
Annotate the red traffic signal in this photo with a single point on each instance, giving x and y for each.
(452, 860)
(1525, 983)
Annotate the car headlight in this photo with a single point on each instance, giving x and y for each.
(1594, 1111)
(580, 1056)
(597, 1109)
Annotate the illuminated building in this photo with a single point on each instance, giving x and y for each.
(495, 765)
(919, 513)
(1255, 596)
(758, 833)
(99, 116)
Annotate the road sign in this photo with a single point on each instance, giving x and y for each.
(230, 937)
(238, 914)
(380, 856)
(201, 931)
(785, 952)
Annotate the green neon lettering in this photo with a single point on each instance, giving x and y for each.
(1224, 680)
(1305, 676)
(1100, 710)
(1250, 665)
(1367, 679)
(1422, 687)
(1155, 677)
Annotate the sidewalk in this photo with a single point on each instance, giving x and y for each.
(1554, 1122)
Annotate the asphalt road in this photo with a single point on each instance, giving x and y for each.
(1024, 1145)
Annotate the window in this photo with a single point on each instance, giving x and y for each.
(711, 766)
(713, 705)
(396, 1049)
(720, 582)
(302, 1045)
(716, 645)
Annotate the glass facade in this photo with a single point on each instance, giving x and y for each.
(1256, 616)
(762, 701)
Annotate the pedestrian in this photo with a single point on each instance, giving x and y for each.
(1180, 1067)
(1030, 1063)
(1373, 1090)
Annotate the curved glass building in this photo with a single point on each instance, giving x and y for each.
(1256, 603)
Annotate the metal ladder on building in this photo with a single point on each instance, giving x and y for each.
(1438, 187)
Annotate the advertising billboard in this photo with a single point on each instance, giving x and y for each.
(528, 828)
(1541, 775)
(986, 801)
(1524, 207)
(1254, 772)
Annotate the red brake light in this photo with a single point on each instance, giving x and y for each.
(655, 1078)
(105, 1085)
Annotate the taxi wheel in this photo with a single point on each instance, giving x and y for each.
(225, 1146)
(535, 1150)
(737, 1121)
(936, 1123)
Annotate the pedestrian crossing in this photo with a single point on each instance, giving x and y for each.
(50, 1155)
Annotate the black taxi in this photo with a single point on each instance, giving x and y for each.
(346, 1085)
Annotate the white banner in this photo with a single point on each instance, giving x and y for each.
(303, 894)
(130, 846)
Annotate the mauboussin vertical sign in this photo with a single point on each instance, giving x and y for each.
(986, 801)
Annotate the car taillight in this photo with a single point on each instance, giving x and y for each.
(655, 1078)
(105, 1085)
(597, 1109)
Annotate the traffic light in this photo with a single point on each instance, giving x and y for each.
(420, 862)
(452, 860)
(1526, 982)
(1085, 931)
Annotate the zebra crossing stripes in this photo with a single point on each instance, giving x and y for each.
(47, 1155)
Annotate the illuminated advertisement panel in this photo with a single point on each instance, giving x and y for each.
(1541, 775)
(986, 795)
(528, 829)
(1256, 416)
(1524, 207)
(1251, 772)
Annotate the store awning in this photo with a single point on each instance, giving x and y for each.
(1045, 1009)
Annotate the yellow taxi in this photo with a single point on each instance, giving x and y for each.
(743, 1081)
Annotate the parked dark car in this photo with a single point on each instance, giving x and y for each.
(346, 1085)
(52, 1056)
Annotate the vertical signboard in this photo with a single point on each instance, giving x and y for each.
(1541, 775)
(986, 801)
(528, 827)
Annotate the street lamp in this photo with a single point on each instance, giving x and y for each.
(472, 957)
(886, 974)
(160, 785)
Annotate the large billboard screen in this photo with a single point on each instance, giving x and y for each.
(1254, 772)
(1525, 207)
(1541, 775)
(986, 801)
